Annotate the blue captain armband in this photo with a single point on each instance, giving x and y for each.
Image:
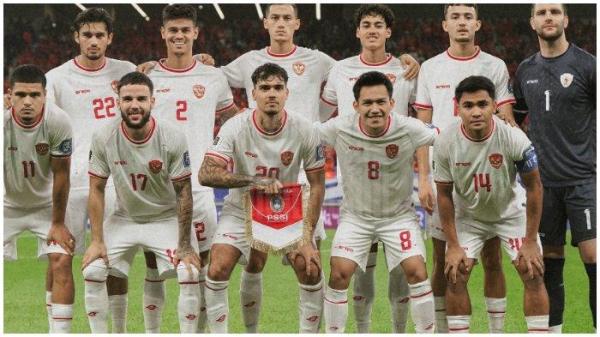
(529, 161)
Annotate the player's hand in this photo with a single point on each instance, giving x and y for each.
(508, 120)
(205, 59)
(146, 67)
(531, 256)
(96, 250)
(455, 259)
(267, 184)
(411, 65)
(426, 195)
(310, 255)
(60, 234)
(7, 103)
(188, 257)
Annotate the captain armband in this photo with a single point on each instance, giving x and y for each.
(529, 161)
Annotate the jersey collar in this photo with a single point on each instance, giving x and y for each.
(28, 127)
(162, 64)
(387, 127)
(143, 141)
(466, 58)
(78, 65)
(464, 132)
(281, 55)
(262, 131)
(387, 59)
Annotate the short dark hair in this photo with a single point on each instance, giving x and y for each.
(135, 77)
(475, 83)
(267, 70)
(282, 4)
(446, 6)
(179, 11)
(27, 73)
(564, 8)
(374, 10)
(91, 15)
(371, 79)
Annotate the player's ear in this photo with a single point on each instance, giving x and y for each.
(357, 33)
(162, 32)
(532, 23)
(445, 25)
(566, 21)
(297, 24)
(254, 93)
(110, 37)
(477, 25)
(392, 103)
(76, 37)
(196, 31)
(388, 32)
(152, 101)
(355, 106)
(265, 23)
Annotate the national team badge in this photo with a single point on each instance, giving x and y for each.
(299, 68)
(198, 91)
(495, 160)
(391, 151)
(114, 84)
(566, 79)
(277, 203)
(391, 77)
(286, 157)
(155, 166)
(42, 148)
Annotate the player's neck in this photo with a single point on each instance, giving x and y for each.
(374, 131)
(480, 134)
(179, 62)
(550, 49)
(141, 134)
(281, 47)
(270, 123)
(462, 49)
(373, 56)
(90, 64)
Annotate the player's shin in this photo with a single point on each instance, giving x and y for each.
(49, 309)
(202, 312)
(188, 304)
(496, 308)
(364, 294)
(118, 310)
(311, 306)
(553, 280)
(335, 310)
(96, 296)
(153, 301)
(421, 306)
(398, 294)
(251, 299)
(217, 305)
(590, 269)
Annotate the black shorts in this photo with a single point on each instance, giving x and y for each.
(577, 204)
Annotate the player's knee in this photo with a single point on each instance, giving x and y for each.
(256, 264)
(587, 250)
(95, 271)
(187, 274)
(340, 278)
(553, 252)
(491, 259)
(61, 267)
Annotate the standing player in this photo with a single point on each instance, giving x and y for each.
(190, 95)
(557, 87)
(37, 159)
(479, 158)
(253, 142)
(373, 28)
(84, 88)
(436, 104)
(375, 150)
(150, 165)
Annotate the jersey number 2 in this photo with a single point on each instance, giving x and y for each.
(103, 106)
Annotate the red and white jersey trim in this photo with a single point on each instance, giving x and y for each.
(464, 132)
(467, 58)
(259, 129)
(18, 122)
(282, 55)
(162, 64)
(150, 133)
(89, 69)
(387, 127)
(388, 59)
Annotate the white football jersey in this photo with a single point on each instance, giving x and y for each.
(338, 90)
(377, 171)
(440, 75)
(307, 69)
(483, 172)
(143, 171)
(189, 98)
(88, 97)
(243, 144)
(27, 151)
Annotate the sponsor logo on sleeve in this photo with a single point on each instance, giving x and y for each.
(186, 159)
(216, 141)
(42, 149)
(320, 152)
(66, 147)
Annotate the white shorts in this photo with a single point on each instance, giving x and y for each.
(401, 236)
(320, 233)
(204, 219)
(231, 231)
(124, 237)
(473, 234)
(35, 220)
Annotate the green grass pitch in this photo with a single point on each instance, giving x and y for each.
(24, 306)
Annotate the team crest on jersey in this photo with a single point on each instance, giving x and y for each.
(42, 148)
(391, 77)
(391, 151)
(155, 166)
(495, 160)
(198, 91)
(277, 203)
(286, 157)
(114, 84)
(299, 68)
(566, 79)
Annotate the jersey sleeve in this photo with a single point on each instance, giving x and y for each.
(326, 63)
(503, 94)
(423, 98)
(313, 154)
(234, 72)
(327, 131)
(328, 101)
(225, 99)
(51, 90)
(441, 163)
(98, 164)
(61, 136)
(421, 133)
(224, 144)
(520, 108)
(179, 165)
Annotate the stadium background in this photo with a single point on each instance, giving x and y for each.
(40, 34)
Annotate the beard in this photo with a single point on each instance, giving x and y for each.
(551, 37)
(140, 124)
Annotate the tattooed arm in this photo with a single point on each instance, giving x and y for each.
(184, 206)
(223, 116)
(213, 173)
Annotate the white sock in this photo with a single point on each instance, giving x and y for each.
(251, 299)
(398, 295)
(555, 329)
(421, 306)
(335, 310)
(96, 296)
(364, 294)
(49, 309)
(458, 324)
(118, 311)
(311, 307)
(496, 308)
(217, 305)
(537, 324)
(441, 323)
(62, 316)
(202, 312)
(188, 303)
(153, 300)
